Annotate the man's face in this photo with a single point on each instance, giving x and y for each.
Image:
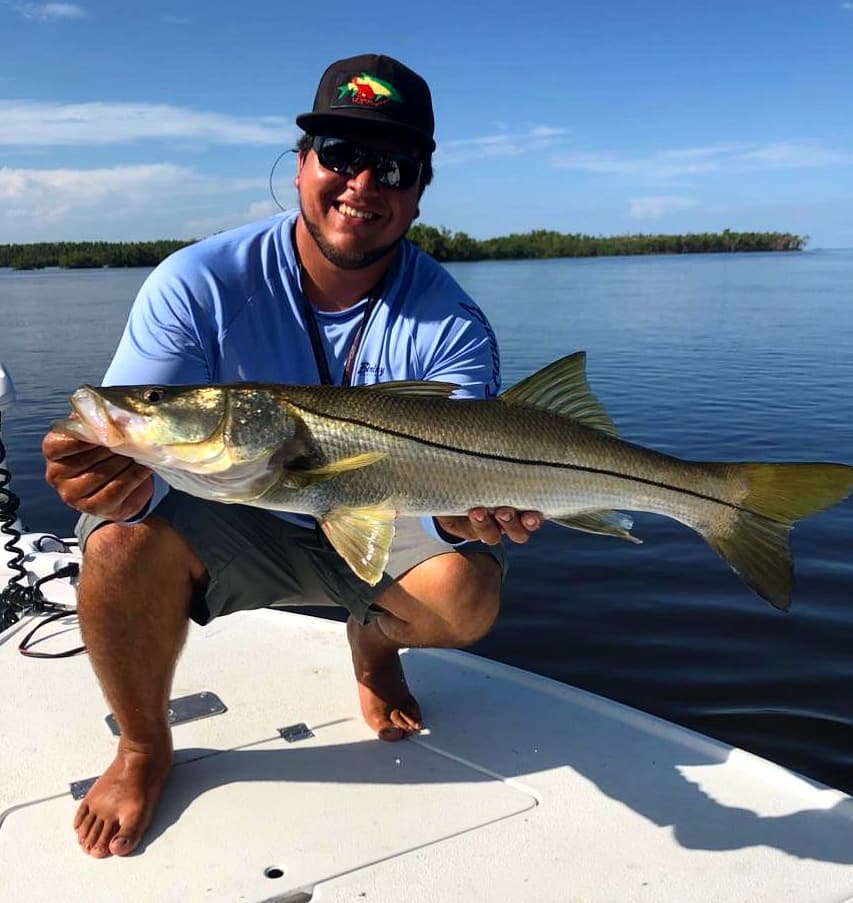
(354, 220)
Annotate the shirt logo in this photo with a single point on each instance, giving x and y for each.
(367, 90)
(367, 369)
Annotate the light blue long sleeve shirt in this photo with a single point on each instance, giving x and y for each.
(230, 309)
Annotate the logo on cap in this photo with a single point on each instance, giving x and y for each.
(367, 90)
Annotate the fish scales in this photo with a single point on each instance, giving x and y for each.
(452, 455)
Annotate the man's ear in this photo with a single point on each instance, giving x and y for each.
(300, 162)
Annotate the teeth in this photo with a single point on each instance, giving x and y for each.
(358, 214)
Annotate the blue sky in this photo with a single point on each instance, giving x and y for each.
(124, 121)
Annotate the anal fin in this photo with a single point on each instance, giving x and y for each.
(608, 523)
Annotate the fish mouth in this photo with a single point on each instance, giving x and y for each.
(103, 422)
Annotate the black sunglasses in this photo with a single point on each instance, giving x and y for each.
(348, 158)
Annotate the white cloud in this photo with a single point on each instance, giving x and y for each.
(666, 164)
(32, 195)
(786, 155)
(93, 183)
(501, 144)
(32, 123)
(50, 12)
(32, 200)
(655, 206)
(678, 163)
(547, 131)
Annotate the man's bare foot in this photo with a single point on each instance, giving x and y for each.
(386, 703)
(118, 808)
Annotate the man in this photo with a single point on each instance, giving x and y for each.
(329, 293)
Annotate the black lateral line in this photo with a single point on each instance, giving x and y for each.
(352, 421)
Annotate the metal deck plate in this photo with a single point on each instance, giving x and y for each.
(185, 708)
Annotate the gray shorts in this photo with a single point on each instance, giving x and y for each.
(255, 559)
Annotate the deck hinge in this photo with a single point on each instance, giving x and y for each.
(296, 732)
(80, 788)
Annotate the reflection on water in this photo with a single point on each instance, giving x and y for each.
(707, 357)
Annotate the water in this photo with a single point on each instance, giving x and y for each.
(710, 357)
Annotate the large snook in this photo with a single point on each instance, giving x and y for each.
(356, 458)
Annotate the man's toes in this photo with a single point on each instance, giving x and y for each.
(98, 850)
(84, 828)
(90, 841)
(128, 834)
(81, 814)
(407, 714)
(392, 734)
(124, 843)
(101, 846)
(403, 720)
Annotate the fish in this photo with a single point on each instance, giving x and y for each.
(357, 458)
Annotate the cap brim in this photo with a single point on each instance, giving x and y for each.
(319, 123)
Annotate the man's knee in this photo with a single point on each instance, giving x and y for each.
(113, 548)
(475, 623)
(478, 600)
(145, 553)
(463, 592)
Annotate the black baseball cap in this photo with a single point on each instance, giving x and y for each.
(373, 89)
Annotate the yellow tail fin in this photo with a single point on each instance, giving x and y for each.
(756, 546)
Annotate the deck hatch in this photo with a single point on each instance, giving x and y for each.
(327, 806)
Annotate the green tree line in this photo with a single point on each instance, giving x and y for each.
(441, 243)
(448, 246)
(80, 254)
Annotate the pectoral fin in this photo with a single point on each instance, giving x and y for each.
(609, 523)
(298, 478)
(362, 537)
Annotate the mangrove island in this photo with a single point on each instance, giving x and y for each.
(444, 245)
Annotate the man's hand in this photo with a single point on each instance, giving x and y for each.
(488, 527)
(93, 479)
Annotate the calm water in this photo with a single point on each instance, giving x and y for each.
(710, 357)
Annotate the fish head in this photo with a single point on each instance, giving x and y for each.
(153, 424)
(123, 416)
(204, 429)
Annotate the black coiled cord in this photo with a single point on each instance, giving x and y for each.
(19, 597)
(9, 504)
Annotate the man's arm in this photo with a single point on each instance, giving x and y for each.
(160, 344)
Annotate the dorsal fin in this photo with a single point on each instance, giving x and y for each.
(561, 388)
(421, 387)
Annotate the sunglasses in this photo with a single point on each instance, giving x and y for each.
(347, 158)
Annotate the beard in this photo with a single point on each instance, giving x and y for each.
(355, 260)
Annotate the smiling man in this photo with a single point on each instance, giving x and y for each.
(329, 293)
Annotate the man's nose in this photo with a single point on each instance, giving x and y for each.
(363, 181)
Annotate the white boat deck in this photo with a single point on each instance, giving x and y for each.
(522, 788)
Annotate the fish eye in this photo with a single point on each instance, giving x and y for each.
(152, 396)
